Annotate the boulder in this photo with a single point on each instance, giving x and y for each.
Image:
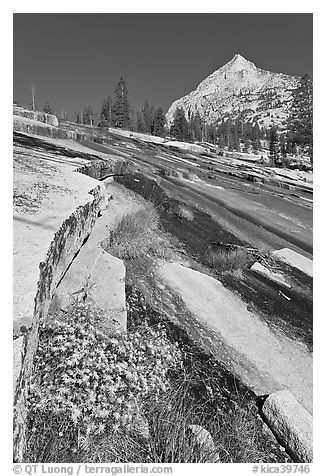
(296, 260)
(276, 277)
(291, 423)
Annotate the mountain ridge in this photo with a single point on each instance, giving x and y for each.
(239, 90)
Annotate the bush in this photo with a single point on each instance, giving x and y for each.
(87, 383)
(138, 234)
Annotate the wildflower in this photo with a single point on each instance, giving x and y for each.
(75, 414)
(101, 428)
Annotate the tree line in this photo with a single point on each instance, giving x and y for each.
(227, 133)
(117, 112)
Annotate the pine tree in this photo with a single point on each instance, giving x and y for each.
(222, 134)
(47, 108)
(140, 126)
(273, 146)
(290, 144)
(211, 134)
(106, 112)
(132, 120)
(196, 127)
(179, 127)
(246, 143)
(235, 137)
(229, 136)
(159, 123)
(301, 115)
(77, 118)
(121, 108)
(283, 150)
(148, 117)
(256, 134)
(88, 116)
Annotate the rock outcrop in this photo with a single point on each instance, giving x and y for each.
(39, 116)
(55, 211)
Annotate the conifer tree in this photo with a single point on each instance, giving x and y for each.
(256, 134)
(235, 137)
(148, 118)
(196, 127)
(246, 143)
(140, 126)
(229, 136)
(121, 108)
(106, 111)
(179, 127)
(88, 116)
(77, 118)
(273, 146)
(211, 134)
(159, 123)
(222, 134)
(301, 115)
(47, 108)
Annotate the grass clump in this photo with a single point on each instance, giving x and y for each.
(236, 434)
(137, 235)
(87, 384)
(229, 260)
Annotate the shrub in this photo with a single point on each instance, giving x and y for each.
(87, 383)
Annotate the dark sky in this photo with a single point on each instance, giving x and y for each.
(77, 59)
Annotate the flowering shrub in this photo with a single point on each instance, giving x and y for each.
(101, 381)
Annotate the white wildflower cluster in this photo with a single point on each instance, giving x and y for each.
(100, 380)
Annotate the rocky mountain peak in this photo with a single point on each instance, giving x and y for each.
(240, 90)
(239, 63)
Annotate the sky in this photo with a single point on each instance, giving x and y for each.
(75, 60)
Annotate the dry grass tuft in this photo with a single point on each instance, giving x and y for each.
(138, 235)
(225, 261)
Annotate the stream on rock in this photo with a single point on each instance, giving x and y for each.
(291, 315)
